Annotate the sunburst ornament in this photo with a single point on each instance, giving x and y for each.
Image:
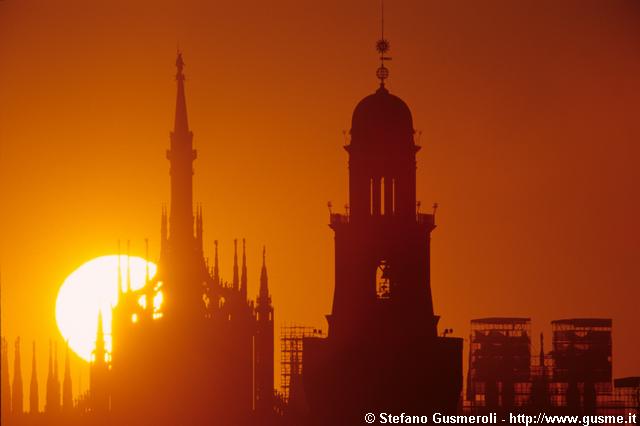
(382, 47)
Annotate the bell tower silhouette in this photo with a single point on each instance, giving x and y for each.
(383, 244)
(382, 352)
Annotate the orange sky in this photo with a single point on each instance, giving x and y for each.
(529, 113)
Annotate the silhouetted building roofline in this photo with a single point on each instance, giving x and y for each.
(627, 382)
(584, 322)
(501, 320)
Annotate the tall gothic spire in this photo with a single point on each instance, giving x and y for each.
(98, 390)
(236, 279)
(216, 266)
(243, 277)
(120, 291)
(33, 385)
(67, 395)
(100, 347)
(263, 296)
(5, 389)
(56, 376)
(49, 405)
(181, 155)
(16, 391)
(128, 272)
(53, 385)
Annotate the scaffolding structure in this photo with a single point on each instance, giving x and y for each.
(574, 377)
(291, 354)
(582, 376)
(625, 398)
(499, 362)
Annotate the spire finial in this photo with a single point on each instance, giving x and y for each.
(263, 295)
(243, 277)
(179, 66)
(119, 270)
(382, 46)
(146, 255)
(236, 278)
(181, 123)
(33, 387)
(216, 268)
(128, 268)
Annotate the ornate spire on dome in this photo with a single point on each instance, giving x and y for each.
(382, 47)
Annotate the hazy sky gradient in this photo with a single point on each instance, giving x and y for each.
(530, 121)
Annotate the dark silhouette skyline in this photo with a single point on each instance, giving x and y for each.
(448, 298)
(528, 125)
(206, 353)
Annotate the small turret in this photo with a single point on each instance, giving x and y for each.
(52, 405)
(243, 277)
(120, 291)
(67, 394)
(216, 266)
(33, 385)
(99, 371)
(128, 269)
(264, 299)
(49, 405)
(236, 279)
(16, 392)
(99, 350)
(5, 390)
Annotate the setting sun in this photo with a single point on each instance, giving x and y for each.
(90, 289)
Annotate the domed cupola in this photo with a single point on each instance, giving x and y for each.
(382, 153)
(382, 120)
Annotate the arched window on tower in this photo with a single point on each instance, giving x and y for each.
(383, 281)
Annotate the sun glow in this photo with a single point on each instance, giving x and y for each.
(90, 289)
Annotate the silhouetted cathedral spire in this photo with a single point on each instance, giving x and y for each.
(181, 155)
(128, 273)
(264, 342)
(243, 277)
(100, 346)
(181, 123)
(120, 290)
(236, 279)
(163, 368)
(67, 395)
(5, 389)
(263, 296)
(33, 385)
(216, 266)
(16, 391)
(48, 407)
(99, 391)
(56, 376)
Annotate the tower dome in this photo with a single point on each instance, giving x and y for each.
(383, 120)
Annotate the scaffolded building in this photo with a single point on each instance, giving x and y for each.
(582, 377)
(499, 362)
(575, 377)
